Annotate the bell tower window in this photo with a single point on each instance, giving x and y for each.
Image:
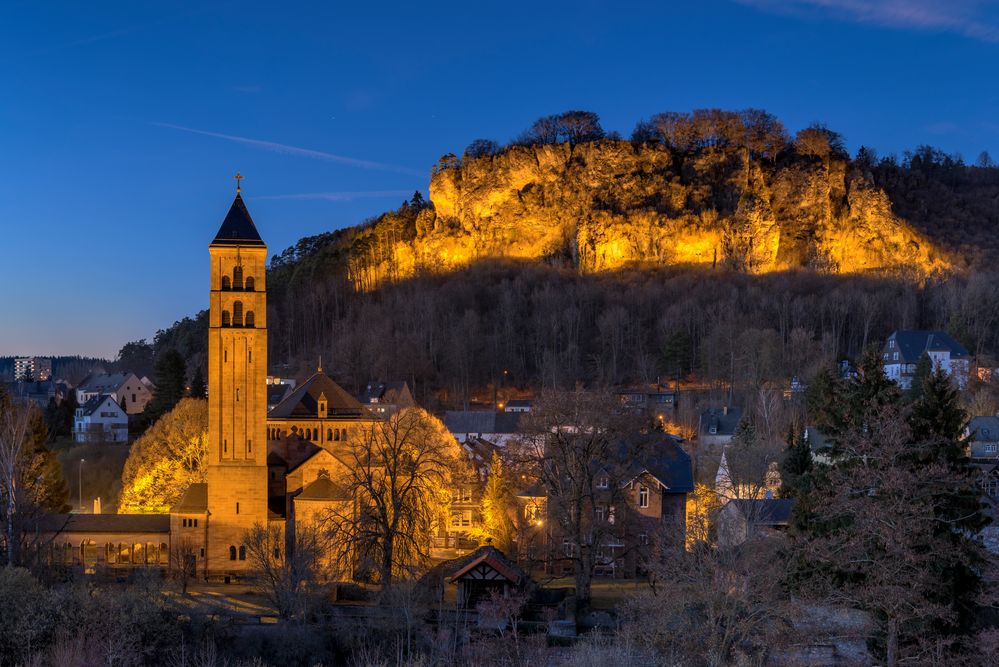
(248, 285)
(225, 318)
(226, 283)
(237, 314)
(237, 277)
(249, 318)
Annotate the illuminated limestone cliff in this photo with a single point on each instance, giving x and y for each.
(603, 205)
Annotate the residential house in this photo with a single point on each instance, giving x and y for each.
(657, 404)
(39, 392)
(100, 419)
(743, 520)
(748, 474)
(278, 389)
(983, 438)
(904, 348)
(32, 368)
(715, 428)
(645, 498)
(496, 427)
(820, 445)
(130, 392)
(518, 405)
(384, 399)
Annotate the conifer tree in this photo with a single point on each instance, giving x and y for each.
(938, 424)
(171, 373)
(498, 507)
(796, 466)
(198, 389)
(924, 368)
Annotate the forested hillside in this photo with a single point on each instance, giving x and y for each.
(710, 243)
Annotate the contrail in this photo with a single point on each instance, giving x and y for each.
(297, 151)
(338, 196)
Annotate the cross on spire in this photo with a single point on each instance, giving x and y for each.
(239, 177)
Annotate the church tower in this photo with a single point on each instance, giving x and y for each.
(237, 389)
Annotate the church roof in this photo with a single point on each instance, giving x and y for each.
(323, 489)
(238, 227)
(304, 401)
(195, 500)
(104, 523)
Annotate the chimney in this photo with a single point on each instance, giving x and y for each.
(97, 505)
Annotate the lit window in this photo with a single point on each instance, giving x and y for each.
(643, 496)
(603, 482)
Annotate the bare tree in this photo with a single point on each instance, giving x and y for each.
(398, 472)
(573, 441)
(14, 428)
(703, 605)
(183, 563)
(285, 579)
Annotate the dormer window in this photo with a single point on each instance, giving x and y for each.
(322, 406)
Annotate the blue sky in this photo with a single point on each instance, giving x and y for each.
(121, 124)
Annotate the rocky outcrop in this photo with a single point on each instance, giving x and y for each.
(603, 205)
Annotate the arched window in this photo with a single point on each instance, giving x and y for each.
(237, 314)
(232, 553)
(225, 318)
(138, 554)
(242, 553)
(111, 553)
(343, 434)
(249, 318)
(249, 284)
(336, 434)
(164, 554)
(226, 283)
(329, 434)
(237, 277)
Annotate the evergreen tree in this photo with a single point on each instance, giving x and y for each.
(198, 388)
(889, 526)
(171, 373)
(498, 507)
(924, 368)
(938, 424)
(796, 466)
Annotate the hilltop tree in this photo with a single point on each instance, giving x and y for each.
(168, 458)
(481, 148)
(574, 127)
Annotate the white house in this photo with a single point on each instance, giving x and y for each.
(496, 427)
(904, 348)
(129, 391)
(100, 419)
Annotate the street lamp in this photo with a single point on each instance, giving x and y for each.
(80, 482)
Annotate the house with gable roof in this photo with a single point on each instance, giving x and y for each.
(904, 348)
(100, 419)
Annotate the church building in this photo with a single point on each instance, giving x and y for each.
(271, 469)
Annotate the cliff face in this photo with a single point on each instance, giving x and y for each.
(603, 205)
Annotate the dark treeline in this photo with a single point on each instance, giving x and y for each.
(553, 328)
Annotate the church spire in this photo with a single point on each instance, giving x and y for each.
(238, 229)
